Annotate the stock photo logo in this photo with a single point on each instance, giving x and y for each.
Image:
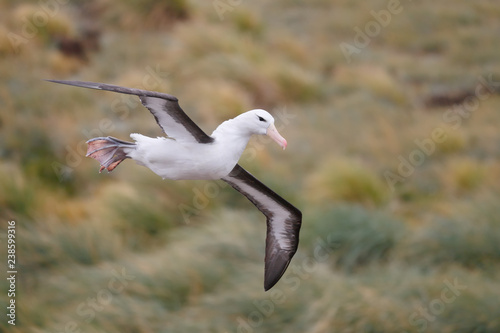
(425, 315)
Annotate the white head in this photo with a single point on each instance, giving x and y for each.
(260, 121)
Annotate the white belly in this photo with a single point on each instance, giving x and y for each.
(173, 160)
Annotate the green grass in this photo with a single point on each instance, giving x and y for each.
(353, 236)
(470, 240)
(370, 256)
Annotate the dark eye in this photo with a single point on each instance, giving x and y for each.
(261, 119)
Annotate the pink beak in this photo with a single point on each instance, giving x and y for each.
(272, 132)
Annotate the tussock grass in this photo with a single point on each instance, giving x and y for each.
(454, 142)
(375, 80)
(143, 219)
(6, 47)
(150, 15)
(42, 25)
(229, 100)
(297, 85)
(391, 300)
(470, 240)
(354, 236)
(16, 195)
(248, 22)
(345, 180)
(53, 245)
(368, 259)
(464, 175)
(62, 65)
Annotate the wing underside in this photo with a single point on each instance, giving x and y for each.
(283, 222)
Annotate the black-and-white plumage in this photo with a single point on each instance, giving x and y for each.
(283, 222)
(189, 153)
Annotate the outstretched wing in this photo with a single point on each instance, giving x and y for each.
(165, 108)
(283, 222)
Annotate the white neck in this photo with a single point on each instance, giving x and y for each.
(233, 135)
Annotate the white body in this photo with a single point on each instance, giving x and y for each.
(180, 159)
(172, 159)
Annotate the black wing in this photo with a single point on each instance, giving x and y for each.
(165, 108)
(283, 222)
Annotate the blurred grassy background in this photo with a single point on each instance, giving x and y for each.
(395, 237)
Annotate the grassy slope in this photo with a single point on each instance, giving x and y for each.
(371, 259)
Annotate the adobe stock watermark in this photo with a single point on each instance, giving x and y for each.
(121, 106)
(363, 37)
(223, 6)
(210, 190)
(426, 314)
(32, 24)
(452, 119)
(88, 309)
(290, 282)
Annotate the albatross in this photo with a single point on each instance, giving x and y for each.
(187, 152)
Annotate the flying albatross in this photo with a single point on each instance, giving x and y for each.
(189, 153)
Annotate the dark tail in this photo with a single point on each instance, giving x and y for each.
(108, 151)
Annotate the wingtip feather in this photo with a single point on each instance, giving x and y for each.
(84, 84)
(275, 267)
